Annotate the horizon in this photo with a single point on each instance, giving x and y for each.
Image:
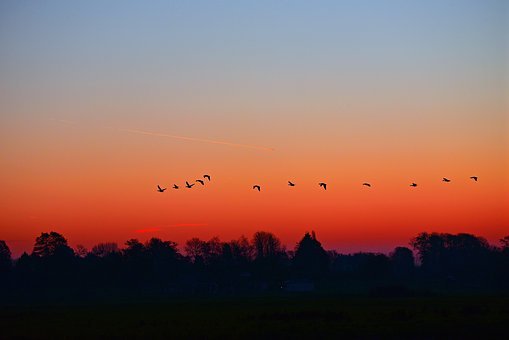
(100, 103)
(286, 247)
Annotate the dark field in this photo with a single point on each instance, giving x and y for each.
(262, 317)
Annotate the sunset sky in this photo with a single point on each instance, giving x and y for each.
(344, 92)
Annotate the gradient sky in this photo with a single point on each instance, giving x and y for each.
(345, 92)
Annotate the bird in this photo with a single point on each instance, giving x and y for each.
(175, 186)
(291, 184)
(189, 185)
(447, 180)
(474, 178)
(367, 184)
(160, 189)
(324, 185)
(413, 185)
(200, 181)
(207, 177)
(257, 187)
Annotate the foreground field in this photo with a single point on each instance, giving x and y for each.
(286, 317)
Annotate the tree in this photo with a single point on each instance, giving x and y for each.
(5, 257)
(241, 250)
(163, 258)
(266, 245)
(310, 258)
(51, 244)
(105, 249)
(81, 251)
(194, 249)
(452, 255)
(134, 248)
(402, 261)
(158, 248)
(204, 251)
(505, 243)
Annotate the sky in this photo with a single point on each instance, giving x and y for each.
(102, 101)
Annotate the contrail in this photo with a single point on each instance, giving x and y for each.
(157, 134)
(210, 141)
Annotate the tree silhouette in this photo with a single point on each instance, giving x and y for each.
(266, 245)
(206, 252)
(156, 268)
(402, 261)
(157, 248)
(51, 244)
(242, 251)
(505, 243)
(81, 251)
(5, 257)
(452, 256)
(269, 257)
(310, 258)
(104, 249)
(162, 260)
(195, 249)
(134, 248)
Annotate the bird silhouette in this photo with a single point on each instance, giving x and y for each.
(189, 185)
(474, 178)
(257, 187)
(160, 189)
(446, 180)
(175, 186)
(413, 185)
(291, 184)
(207, 177)
(200, 181)
(366, 184)
(324, 185)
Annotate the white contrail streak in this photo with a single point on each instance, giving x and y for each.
(210, 141)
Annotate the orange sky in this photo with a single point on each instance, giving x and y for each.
(99, 184)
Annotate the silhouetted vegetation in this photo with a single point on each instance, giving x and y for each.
(447, 263)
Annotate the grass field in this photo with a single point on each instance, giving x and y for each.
(263, 317)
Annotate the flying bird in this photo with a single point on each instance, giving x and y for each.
(447, 180)
(175, 186)
(366, 184)
(413, 185)
(474, 178)
(291, 184)
(200, 181)
(207, 177)
(324, 185)
(160, 189)
(189, 185)
(257, 187)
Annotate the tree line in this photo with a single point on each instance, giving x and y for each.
(435, 263)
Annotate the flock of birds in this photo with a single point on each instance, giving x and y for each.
(291, 184)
